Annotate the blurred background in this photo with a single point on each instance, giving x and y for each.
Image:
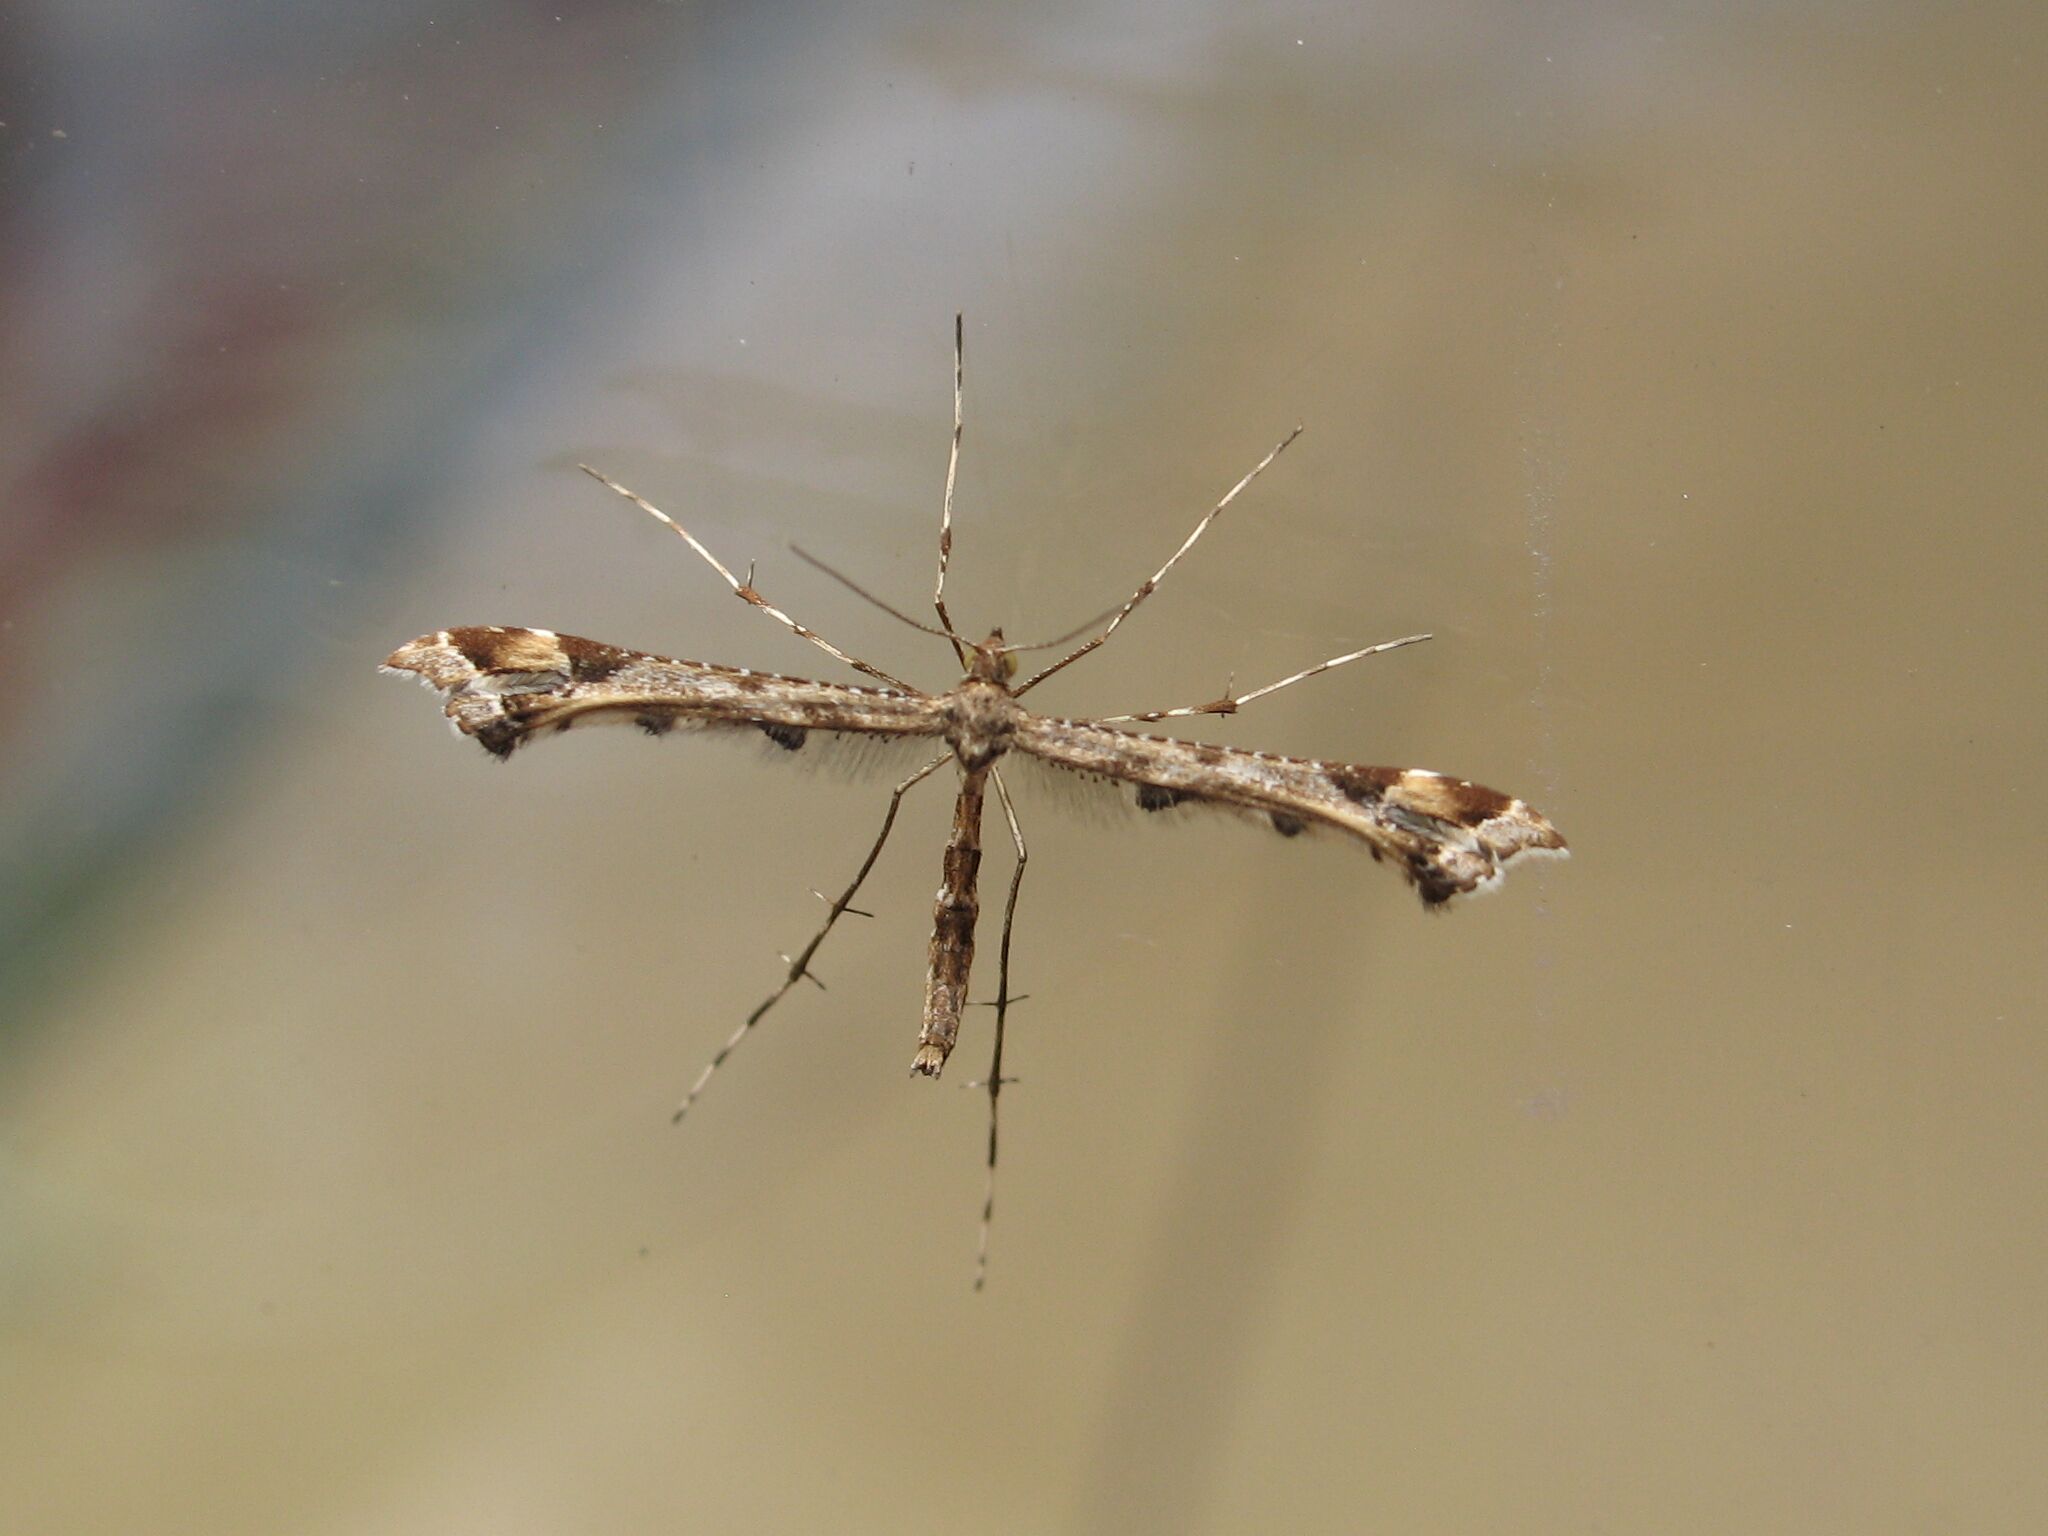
(1681, 368)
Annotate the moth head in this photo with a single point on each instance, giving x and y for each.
(991, 661)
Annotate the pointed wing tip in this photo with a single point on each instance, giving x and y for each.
(1519, 832)
(407, 657)
(437, 660)
(1538, 835)
(1513, 831)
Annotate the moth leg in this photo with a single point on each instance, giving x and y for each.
(1145, 588)
(946, 512)
(995, 1066)
(1230, 703)
(745, 589)
(800, 966)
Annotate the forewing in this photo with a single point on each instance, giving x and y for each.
(505, 686)
(1448, 836)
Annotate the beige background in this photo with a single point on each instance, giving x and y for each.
(1681, 370)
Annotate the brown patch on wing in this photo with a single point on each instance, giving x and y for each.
(511, 650)
(591, 661)
(452, 657)
(1457, 801)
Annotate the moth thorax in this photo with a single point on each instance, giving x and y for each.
(981, 717)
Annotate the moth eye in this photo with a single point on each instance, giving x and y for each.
(1286, 825)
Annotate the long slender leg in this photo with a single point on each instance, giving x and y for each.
(1230, 703)
(745, 589)
(1145, 589)
(946, 513)
(954, 912)
(995, 1066)
(800, 966)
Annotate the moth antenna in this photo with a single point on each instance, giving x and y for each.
(1003, 1001)
(865, 595)
(960, 646)
(745, 589)
(799, 968)
(1045, 645)
(1145, 588)
(1230, 703)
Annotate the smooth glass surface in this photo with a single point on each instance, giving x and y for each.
(1681, 368)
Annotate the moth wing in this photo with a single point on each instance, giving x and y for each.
(506, 686)
(1448, 836)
